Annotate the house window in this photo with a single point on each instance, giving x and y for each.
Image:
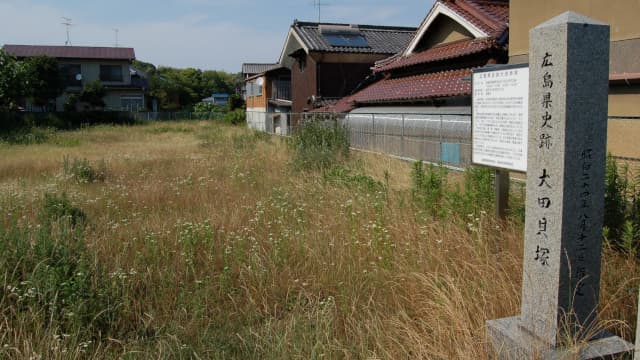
(258, 84)
(111, 72)
(302, 63)
(254, 88)
(131, 102)
(71, 74)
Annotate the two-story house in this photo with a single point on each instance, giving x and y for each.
(328, 61)
(268, 100)
(80, 65)
(431, 79)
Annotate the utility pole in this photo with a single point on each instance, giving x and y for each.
(67, 23)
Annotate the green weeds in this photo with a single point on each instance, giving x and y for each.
(622, 207)
(319, 144)
(83, 172)
(50, 279)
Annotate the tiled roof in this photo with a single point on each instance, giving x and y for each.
(491, 16)
(437, 53)
(249, 68)
(381, 39)
(420, 87)
(72, 52)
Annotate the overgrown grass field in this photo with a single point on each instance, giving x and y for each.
(201, 241)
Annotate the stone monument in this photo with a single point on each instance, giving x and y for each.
(568, 96)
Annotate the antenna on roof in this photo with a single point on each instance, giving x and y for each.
(319, 4)
(67, 23)
(116, 30)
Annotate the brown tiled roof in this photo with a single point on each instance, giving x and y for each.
(419, 87)
(491, 16)
(381, 39)
(438, 53)
(71, 52)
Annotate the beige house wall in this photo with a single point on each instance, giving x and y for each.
(622, 15)
(624, 18)
(622, 138)
(444, 30)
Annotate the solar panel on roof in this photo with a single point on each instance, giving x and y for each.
(349, 40)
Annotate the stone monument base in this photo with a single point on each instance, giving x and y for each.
(510, 341)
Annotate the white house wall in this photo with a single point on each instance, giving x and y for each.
(257, 118)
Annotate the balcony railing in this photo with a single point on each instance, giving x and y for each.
(281, 90)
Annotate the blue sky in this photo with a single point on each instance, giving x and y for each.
(205, 34)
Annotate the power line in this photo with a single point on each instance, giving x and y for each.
(67, 23)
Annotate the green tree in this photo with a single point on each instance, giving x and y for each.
(46, 82)
(13, 82)
(235, 102)
(93, 93)
(183, 88)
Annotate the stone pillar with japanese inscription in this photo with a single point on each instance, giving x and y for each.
(568, 96)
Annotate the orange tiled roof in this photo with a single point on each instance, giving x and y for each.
(491, 16)
(438, 84)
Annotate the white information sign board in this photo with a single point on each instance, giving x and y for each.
(500, 109)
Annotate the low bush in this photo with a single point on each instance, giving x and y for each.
(235, 117)
(342, 176)
(14, 125)
(51, 279)
(319, 145)
(83, 172)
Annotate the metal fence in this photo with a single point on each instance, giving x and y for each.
(437, 138)
(443, 138)
(176, 116)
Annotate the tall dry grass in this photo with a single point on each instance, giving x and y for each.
(213, 246)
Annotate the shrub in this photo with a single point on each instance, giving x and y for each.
(83, 172)
(622, 207)
(56, 209)
(320, 144)
(48, 274)
(429, 187)
(29, 136)
(249, 141)
(615, 199)
(205, 111)
(477, 193)
(342, 176)
(235, 102)
(14, 124)
(235, 117)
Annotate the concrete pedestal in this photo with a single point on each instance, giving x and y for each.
(510, 341)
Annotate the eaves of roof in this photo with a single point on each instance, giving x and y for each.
(257, 68)
(71, 52)
(482, 18)
(438, 53)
